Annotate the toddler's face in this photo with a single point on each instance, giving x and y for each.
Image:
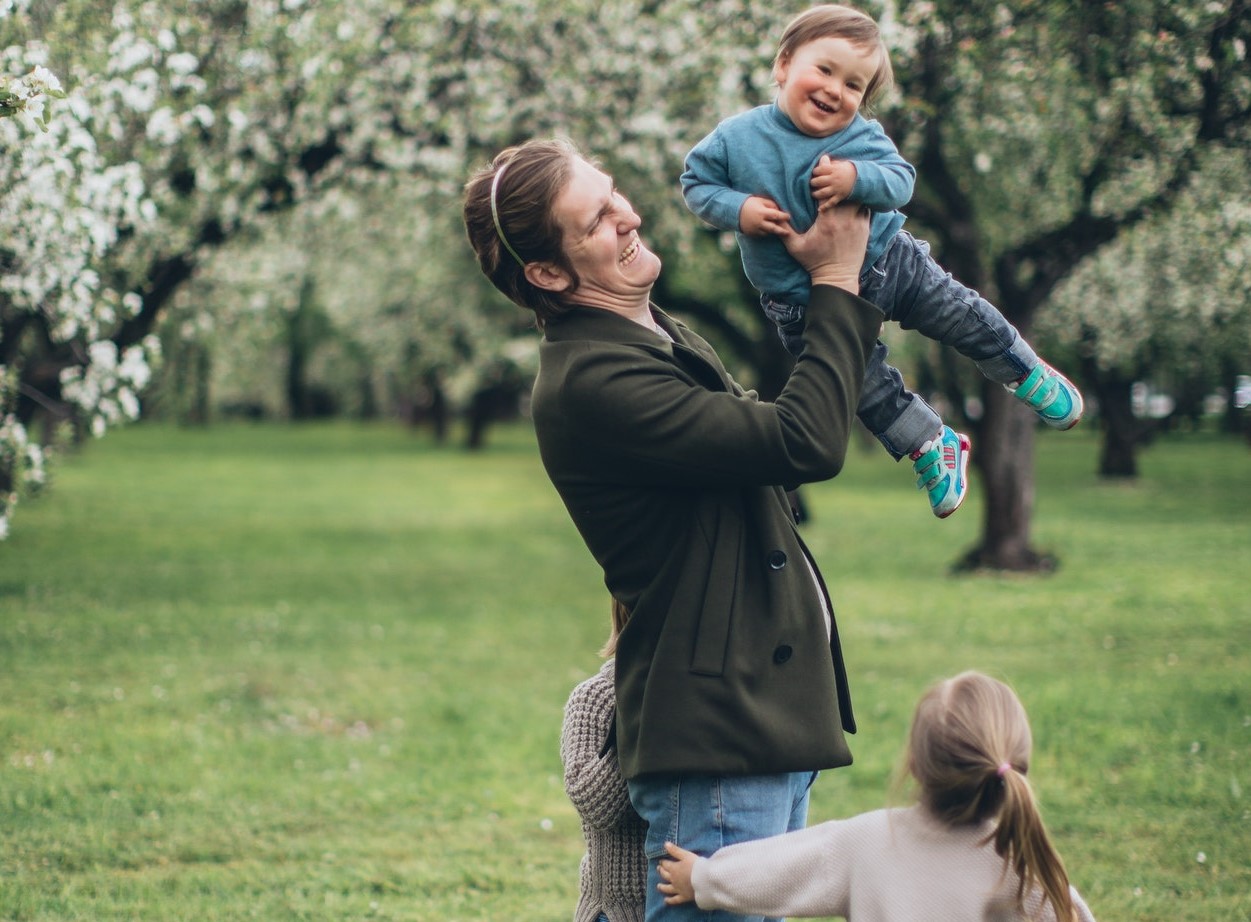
(822, 83)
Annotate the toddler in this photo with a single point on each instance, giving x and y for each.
(973, 848)
(775, 165)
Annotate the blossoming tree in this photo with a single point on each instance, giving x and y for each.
(1042, 132)
(251, 146)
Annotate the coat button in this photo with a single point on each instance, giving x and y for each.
(777, 560)
(782, 654)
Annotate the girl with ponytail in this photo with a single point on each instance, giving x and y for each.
(973, 848)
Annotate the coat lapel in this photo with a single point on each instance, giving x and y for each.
(690, 352)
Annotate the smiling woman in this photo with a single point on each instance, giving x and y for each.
(610, 266)
(728, 668)
(550, 228)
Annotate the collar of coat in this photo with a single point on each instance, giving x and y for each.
(687, 348)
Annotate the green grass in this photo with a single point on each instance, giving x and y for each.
(318, 673)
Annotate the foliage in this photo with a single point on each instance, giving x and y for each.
(1174, 295)
(26, 95)
(217, 154)
(1042, 132)
(317, 672)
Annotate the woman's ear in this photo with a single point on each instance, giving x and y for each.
(547, 276)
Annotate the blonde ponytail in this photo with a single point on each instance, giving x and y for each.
(1021, 840)
(969, 751)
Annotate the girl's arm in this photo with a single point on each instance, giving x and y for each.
(801, 873)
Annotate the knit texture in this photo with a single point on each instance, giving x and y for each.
(882, 866)
(613, 876)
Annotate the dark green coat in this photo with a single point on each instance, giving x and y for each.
(674, 477)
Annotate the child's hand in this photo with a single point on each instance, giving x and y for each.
(832, 181)
(675, 871)
(760, 217)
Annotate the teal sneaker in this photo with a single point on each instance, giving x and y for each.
(1051, 395)
(942, 466)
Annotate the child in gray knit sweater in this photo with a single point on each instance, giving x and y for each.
(613, 876)
(974, 848)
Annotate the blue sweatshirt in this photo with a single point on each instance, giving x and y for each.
(761, 152)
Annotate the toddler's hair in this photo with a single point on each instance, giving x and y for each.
(833, 20)
(969, 751)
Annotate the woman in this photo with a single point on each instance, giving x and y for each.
(730, 687)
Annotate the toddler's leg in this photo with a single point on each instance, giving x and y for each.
(788, 319)
(914, 290)
(907, 426)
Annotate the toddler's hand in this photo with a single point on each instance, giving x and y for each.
(832, 181)
(675, 871)
(760, 217)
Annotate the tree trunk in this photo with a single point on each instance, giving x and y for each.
(202, 373)
(1004, 455)
(304, 330)
(439, 413)
(1119, 455)
(1121, 430)
(296, 386)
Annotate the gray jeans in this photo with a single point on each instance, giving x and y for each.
(910, 288)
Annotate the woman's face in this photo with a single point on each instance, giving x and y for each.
(600, 237)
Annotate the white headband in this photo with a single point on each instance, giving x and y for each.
(495, 216)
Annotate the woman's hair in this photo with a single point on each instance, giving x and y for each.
(620, 615)
(969, 751)
(832, 20)
(509, 218)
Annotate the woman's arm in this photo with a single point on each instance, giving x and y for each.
(635, 415)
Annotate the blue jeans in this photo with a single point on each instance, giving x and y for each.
(704, 812)
(909, 287)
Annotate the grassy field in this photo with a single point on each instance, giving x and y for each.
(318, 673)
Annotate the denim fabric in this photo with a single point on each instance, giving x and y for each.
(911, 289)
(917, 293)
(703, 813)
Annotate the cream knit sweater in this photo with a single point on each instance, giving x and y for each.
(898, 865)
(614, 868)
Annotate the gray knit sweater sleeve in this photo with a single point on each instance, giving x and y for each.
(593, 781)
(613, 873)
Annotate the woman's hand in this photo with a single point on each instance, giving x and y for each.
(675, 871)
(832, 250)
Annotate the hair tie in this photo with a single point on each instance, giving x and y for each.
(1003, 769)
(495, 215)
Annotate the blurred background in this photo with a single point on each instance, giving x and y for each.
(294, 643)
(251, 208)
